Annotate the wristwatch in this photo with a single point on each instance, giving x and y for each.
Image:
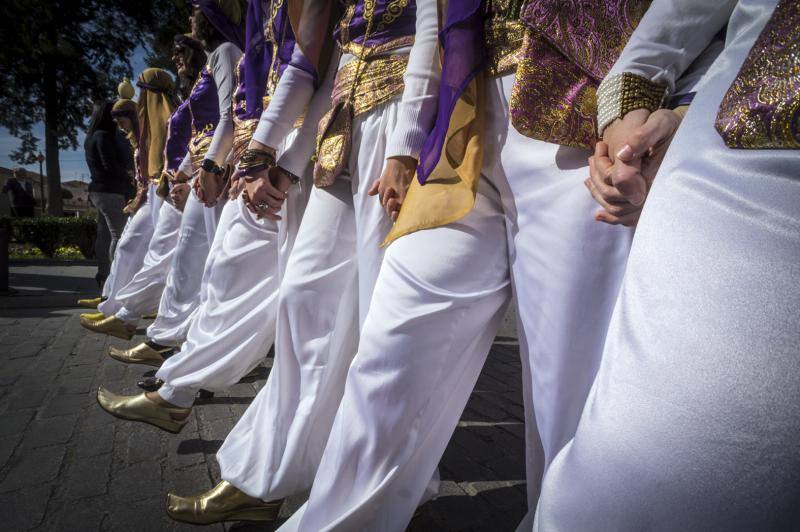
(210, 166)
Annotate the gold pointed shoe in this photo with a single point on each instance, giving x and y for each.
(111, 326)
(140, 408)
(141, 354)
(90, 303)
(93, 316)
(224, 502)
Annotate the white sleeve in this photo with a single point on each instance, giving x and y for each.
(222, 62)
(670, 36)
(417, 111)
(186, 165)
(292, 95)
(296, 157)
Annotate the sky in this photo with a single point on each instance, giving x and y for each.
(73, 163)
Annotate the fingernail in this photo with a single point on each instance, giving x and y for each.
(625, 152)
(637, 198)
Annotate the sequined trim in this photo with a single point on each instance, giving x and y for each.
(356, 91)
(625, 92)
(761, 109)
(504, 38)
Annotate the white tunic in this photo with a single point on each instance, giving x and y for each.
(692, 422)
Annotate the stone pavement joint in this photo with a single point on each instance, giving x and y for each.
(67, 465)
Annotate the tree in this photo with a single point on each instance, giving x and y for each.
(58, 56)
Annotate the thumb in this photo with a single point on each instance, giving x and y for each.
(658, 127)
(627, 178)
(373, 190)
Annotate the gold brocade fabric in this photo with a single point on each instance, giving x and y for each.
(198, 147)
(357, 90)
(242, 133)
(551, 101)
(569, 47)
(504, 39)
(449, 192)
(761, 109)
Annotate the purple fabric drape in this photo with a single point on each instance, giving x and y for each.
(257, 56)
(232, 32)
(178, 137)
(464, 56)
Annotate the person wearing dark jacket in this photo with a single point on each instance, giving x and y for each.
(21, 199)
(109, 159)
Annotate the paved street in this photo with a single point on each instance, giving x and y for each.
(67, 465)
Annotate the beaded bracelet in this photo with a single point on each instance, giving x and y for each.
(625, 92)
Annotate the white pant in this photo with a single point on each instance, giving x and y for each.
(143, 293)
(275, 448)
(131, 250)
(437, 305)
(235, 325)
(181, 295)
(693, 420)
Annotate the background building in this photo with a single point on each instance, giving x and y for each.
(75, 194)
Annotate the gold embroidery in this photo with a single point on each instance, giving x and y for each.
(242, 133)
(393, 10)
(504, 39)
(238, 80)
(274, 68)
(198, 147)
(550, 102)
(358, 89)
(761, 109)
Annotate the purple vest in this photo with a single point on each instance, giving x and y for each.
(204, 105)
(178, 135)
(263, 62)
(393, 24)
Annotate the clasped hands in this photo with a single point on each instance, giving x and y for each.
(625, 162)
(264, 192)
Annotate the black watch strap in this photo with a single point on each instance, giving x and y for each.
(210, 166)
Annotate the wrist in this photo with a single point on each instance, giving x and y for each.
(623, 93)
(210, 166)
(292, 178)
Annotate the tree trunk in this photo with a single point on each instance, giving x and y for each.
(53, 178)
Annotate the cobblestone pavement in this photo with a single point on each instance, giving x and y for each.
(67, 465)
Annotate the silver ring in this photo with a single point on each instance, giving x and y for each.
(262, 206)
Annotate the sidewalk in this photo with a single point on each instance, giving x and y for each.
(67, 465)
(48, 283)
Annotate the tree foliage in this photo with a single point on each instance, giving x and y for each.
(58, 56)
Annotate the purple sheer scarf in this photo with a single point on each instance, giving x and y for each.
(232, 32)
(464, 56)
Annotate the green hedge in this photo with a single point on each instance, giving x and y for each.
(48, 233)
